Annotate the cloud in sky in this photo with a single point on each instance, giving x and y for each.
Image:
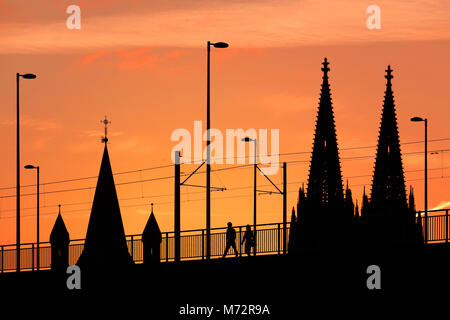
(97, 133)
(243, 24)
(33, 123)
(442, 205)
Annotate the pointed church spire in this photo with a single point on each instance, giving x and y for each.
(151, 228)
(59, 232)
(388, 184)
(59, 240)
(293, 218)
(292, 232)
(325, 179)
(356, 210)
(365, 203)
(105, 242)
(324, 210)
(349, 205)
(301, 201)
(411, 202)
(151, 239)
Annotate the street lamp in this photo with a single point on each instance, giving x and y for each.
(208, 150)
(25, 76)
(247, 139)
(425, 120)
(29, 166)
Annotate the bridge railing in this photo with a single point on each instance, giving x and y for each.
(269, 240)
(438, 225)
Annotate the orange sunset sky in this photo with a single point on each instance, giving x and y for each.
(143, 64)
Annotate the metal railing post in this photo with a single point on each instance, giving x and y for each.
(167, 247)
(132, 248)
(284, 208)
(279, 236)
(446, 225)
(32, 256)
(203, 244)
(240, 241)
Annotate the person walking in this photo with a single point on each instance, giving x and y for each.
(231, 240)
(248, 239)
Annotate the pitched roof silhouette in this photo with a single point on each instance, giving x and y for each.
(59, 232)
(105, 242)
(151, 232)
(388, 184)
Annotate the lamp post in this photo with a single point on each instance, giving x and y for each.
(247, 139)
(208, 150)
(29, 166)
(425, 121)
(25, 76)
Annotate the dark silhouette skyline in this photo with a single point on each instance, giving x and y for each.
(326, 216)
(386, 218)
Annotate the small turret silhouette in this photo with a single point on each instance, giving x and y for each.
(356, 216)
(151, 239)
(59, 240)
(292, 232)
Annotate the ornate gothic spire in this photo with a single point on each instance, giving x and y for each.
(388, 184)
(325, 179)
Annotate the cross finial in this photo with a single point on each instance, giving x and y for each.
(59, 208)
(389, 75)
(325, 68)
(152, 206)
(105, 122)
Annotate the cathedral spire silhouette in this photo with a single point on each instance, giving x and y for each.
(388, 218)
(324, 210)
(325, 178)
(388, 184)
(105, 242)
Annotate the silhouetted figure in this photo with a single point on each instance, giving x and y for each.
(249, 240)
(59, 240)
(231, 240)
(151, 239)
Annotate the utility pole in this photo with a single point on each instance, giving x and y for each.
(284, 208)
(177, 222)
